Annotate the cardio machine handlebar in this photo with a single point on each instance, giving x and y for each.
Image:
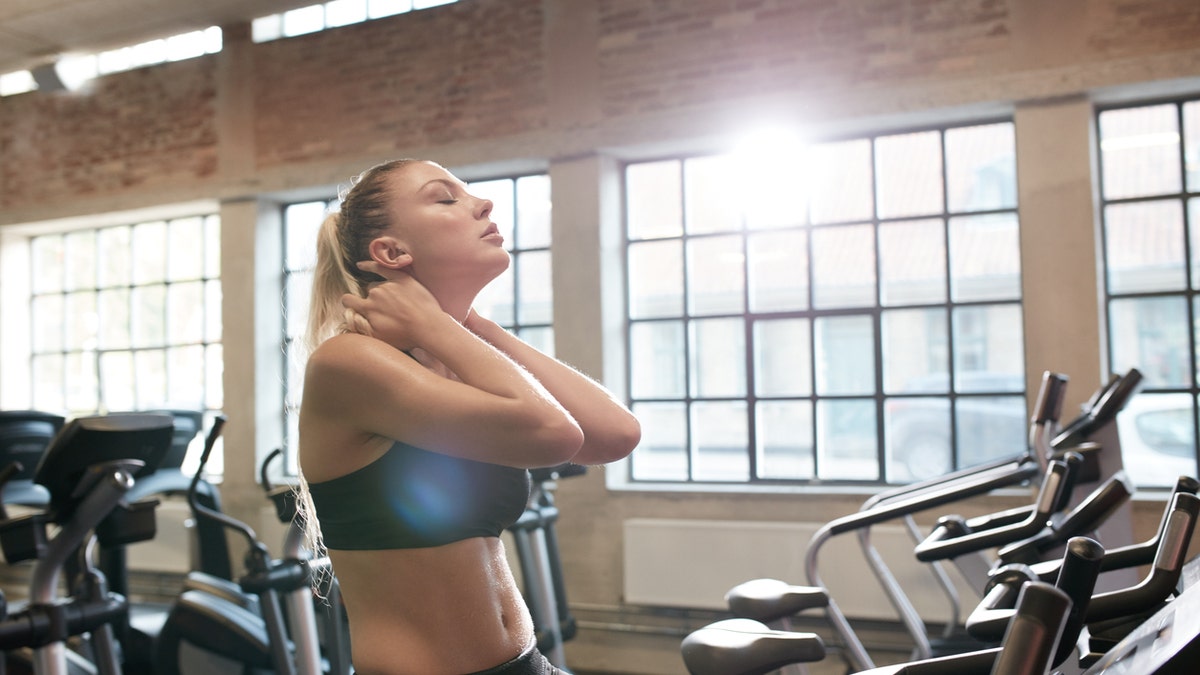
(952, 538)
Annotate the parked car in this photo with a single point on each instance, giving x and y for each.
(989, 413)
(1158, 438)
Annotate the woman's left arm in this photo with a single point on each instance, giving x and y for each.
(610, 431)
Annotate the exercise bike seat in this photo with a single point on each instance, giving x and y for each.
(747, 647)
(768, 600)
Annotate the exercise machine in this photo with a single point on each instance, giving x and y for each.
(86, 470)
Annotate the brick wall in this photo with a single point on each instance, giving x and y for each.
(483, 80)
(468, 71)
(139, 130)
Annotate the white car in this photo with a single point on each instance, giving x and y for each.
(1158, 438)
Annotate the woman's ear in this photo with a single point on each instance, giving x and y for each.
(389, 252)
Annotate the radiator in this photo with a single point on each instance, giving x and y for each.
(692, 563)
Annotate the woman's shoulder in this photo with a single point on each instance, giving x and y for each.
(351, 358)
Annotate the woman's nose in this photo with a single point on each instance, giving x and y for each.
(483, 208)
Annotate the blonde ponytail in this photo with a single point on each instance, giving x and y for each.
(330, 281)
(342, 242)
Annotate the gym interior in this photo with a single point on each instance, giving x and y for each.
(770, 226)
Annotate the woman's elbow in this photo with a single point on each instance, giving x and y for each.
(614, 442)
(557, 444)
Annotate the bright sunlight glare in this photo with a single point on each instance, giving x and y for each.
(771, 168)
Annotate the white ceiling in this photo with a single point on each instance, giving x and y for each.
(33, 32)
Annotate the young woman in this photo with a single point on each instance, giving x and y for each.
(418, 424)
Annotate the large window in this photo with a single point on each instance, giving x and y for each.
(1150, 185)
(127, 318)
(520, 300)
(848, 314)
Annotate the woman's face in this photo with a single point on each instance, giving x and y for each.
(443, 227)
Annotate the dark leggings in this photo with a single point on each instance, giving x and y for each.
(529, 662)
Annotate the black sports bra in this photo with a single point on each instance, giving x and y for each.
(414, 498)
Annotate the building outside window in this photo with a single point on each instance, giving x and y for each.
(1150, 190)
(849, 314)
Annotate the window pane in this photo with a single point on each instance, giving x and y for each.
(214, 370)
(47, 268)
(912, 262)
(48, 388)
(149, 313)
(345, 12)
(778, 270)
(46, 315)
(1191, 147)
(303, 20)
(720, 441)
(1194, 238)
(114, 319)
(656, 358)
(917, 438)
(187, 377)
(117, 380)
(380, 8)
(299, 290)
(303, 222)
(785, 433)
(988, 341)
(150, 368)
(533, 211)
(843, 260)
(185, 250)
(536, 291)
(841, 182)
(79, 320)
(782, 358)
(716, 278)
(114, 256)
(845, 355)
(990, 427)
(718, 358)
(846, 445)
(662, 453)
(81, 260)
(82, 385)
(1158, 438)
(915, 350)
(212, 246)
(149, 253)
(213, 298)
(655, 279)
(908, 170)
(707, 188)
(1144, 247)
(985, 258)
(185, 303)
(1139, 151)
(981, 168)
(653, 201)
(1151, 334)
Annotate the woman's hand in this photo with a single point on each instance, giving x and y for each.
(396, 310)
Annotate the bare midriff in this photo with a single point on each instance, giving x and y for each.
(446, 610)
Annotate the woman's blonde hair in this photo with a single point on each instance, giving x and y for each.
(342, 242)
